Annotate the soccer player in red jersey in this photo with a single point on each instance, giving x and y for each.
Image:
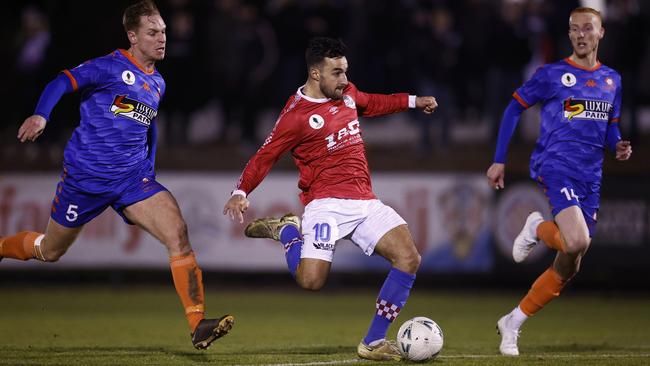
(109, 161)
(320, 126)
(581, 106)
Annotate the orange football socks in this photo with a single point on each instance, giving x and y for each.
(550, 234)
(546, 288)
(21, 246)
(189, 286)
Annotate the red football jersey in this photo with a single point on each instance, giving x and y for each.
(324, 137)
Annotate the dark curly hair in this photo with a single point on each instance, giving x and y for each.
(321, 47)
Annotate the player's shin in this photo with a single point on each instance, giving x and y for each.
(546, 288)
(292, 242)
(550, 234)
(188, 281)
(23, 246)
(392, 297)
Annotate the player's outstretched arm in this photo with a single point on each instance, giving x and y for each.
(495, 174)
(31, 128)
(426, 104)
(623, 150)
(34, 125)
(236, 206)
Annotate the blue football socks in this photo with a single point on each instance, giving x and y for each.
(392, 297)
(292, 242)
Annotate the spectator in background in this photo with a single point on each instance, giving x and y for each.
(475, 17)
(182, 68)
(242, 56)
(432, 67)
(30, 66)
(626, 28)
(509, 53)
(295, 22)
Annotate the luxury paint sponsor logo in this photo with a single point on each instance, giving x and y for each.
(133, 109)
(587, 109)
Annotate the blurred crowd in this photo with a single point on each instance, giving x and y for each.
(243, 59)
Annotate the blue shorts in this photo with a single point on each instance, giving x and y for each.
(563, 192)
(76, 202)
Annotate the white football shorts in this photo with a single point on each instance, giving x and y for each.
(327, 220)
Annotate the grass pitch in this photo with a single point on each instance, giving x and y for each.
(145, 326)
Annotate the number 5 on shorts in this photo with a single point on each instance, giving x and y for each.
(72, 215)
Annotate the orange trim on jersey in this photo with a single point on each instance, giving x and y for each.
(72, 79)
(135, 62)
(569, 61)
(614, 120)
(520, 100)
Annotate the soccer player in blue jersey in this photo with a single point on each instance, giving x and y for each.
(581, 106)
(109, 161)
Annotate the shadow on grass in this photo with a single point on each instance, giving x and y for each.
(97, 352)
(585, 348)
(88, 354)
(314, 350)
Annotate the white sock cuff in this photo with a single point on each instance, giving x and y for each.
(37, 247)
(517, 317)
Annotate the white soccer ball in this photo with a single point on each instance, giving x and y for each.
(419, 339)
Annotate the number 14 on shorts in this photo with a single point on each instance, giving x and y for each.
(570, 195)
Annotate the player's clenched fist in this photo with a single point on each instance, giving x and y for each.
(235, 207)
(426, 104)
(623, 150)
(31, 128)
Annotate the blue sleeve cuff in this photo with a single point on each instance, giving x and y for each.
(508, 125)
(613, 136)
(51, 95)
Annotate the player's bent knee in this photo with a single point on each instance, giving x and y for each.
(577, 246)
(311, 283)
(409, 263)
(53, 255)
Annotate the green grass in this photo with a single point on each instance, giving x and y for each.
(145, 326)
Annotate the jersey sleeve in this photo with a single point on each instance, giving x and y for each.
(372, 105)
(87, 74)
(615, 115)
(284, 137)
(613, 134)
(534, 90)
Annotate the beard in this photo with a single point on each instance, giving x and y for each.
(334, 93)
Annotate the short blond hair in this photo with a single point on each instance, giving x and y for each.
(584, 9)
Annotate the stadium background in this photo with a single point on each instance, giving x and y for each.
(230, 66)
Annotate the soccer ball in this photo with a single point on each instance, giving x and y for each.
(419, 339)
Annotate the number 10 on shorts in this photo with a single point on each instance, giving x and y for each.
(322, 232)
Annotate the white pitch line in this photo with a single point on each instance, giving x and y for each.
(555, 356)
(548, 356)
(316, 363)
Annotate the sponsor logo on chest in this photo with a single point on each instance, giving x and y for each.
(345, 136)
(595, 110)
(133, 109)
